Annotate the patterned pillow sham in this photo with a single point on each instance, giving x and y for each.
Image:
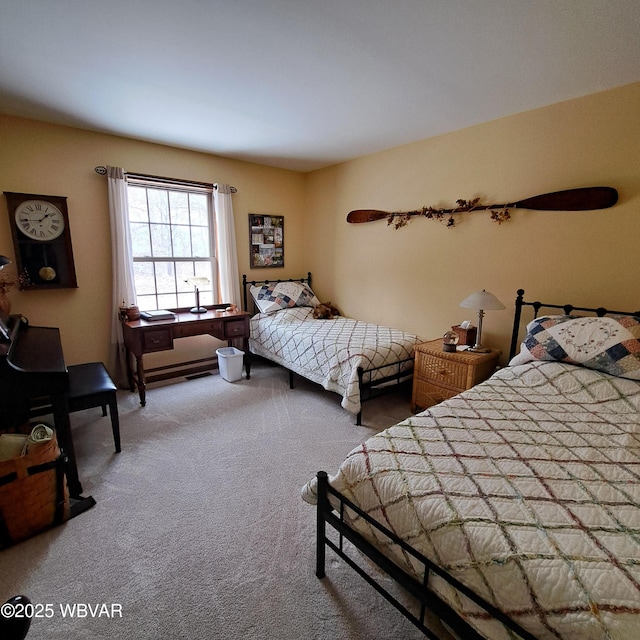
(610, 344)
(272, 297)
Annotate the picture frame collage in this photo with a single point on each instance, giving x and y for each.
(266, 241)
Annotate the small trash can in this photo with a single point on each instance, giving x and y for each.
(230, 363)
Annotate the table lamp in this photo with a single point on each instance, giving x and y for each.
(197, 282)
(481, 301)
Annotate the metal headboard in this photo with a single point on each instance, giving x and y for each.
(566, 308)
(246, 283)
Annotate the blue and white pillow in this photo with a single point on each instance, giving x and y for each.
(272, 297)
(610, 344)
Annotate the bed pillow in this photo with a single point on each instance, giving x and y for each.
(610, 344)
(283, 295)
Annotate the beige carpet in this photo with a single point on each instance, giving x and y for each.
(199, 531)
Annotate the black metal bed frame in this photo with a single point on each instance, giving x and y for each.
(327, 515)
(368, 387)
(567, 308)
(330, 513)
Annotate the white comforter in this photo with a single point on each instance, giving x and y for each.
(527, 489)
(329, 352)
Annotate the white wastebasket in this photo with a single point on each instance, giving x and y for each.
(230, 363)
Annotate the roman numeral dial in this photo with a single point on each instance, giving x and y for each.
(39, 220)
(42, 240)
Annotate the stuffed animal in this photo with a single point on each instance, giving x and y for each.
(326, 311)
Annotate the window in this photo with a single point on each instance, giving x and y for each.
(171, 239)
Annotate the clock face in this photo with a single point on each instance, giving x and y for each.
(42, 240)
(39, 220)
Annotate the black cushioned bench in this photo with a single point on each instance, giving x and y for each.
(90, 385)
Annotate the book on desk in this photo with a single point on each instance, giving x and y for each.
(160, 314)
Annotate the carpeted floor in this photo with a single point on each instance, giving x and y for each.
(199, 531)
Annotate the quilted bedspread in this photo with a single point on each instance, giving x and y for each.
(329, 352)
(527, 489)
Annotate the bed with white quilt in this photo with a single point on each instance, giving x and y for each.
(522, 492)
(353, 358)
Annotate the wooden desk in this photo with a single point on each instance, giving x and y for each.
(142, 336)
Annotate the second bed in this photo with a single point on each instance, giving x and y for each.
(353, 358)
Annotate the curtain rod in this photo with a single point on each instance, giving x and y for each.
(102, 170)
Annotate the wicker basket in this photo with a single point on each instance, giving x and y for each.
(33, 492)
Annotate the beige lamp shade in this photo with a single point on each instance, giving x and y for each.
(482, 300)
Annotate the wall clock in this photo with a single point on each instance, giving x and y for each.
(42, 241)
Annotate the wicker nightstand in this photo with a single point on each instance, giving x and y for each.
(439, 375)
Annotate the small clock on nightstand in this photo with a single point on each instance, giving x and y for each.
(42, 241)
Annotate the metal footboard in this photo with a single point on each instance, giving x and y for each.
(370, 388)
(327, 515)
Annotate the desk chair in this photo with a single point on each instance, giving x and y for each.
(90, 385)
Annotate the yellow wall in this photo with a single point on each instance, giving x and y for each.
(415, 277)
(412, 278)
(46, 159)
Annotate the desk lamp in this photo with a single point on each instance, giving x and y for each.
(481, 301)
(198, 282)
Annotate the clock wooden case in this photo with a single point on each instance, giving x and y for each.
(42, 240)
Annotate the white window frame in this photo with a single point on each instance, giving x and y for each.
(156, 292)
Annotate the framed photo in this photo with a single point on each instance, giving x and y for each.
(266, 241)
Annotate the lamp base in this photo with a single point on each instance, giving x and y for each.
(478, 348)
(198, 310)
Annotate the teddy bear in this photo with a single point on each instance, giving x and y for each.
(326, 311)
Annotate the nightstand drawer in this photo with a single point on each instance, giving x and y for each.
(439, 375)
(157, 340)
(437, 369)
(427, 393)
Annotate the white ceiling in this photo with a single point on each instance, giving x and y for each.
(302, 84)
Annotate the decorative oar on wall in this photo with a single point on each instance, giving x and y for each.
(583, 199)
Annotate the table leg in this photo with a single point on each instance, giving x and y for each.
(63, 433)
(130, 376)
(247, 358)
(142, 385)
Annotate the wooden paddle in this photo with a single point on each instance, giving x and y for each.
(584, 199)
